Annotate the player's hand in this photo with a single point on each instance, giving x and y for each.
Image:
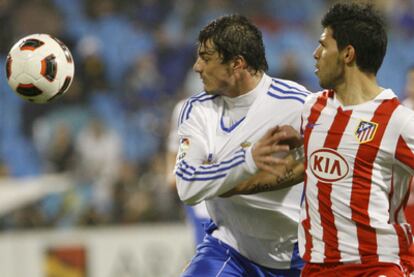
(267, 152)
(293, 138)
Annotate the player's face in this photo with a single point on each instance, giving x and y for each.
(216, 76)
(329, 65)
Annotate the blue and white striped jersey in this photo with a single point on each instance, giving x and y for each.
(216, 134)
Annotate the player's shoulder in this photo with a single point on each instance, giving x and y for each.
(323, 94)
(400, 118)
(195, 105)
(289, 85)
(402, 113)
(404, 109)
(287, 90)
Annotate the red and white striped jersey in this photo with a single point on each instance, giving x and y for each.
(358, 164)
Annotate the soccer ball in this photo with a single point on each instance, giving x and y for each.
(39, 68)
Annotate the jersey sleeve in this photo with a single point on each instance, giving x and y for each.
(199, 178)
(172, 140)
(404, 152)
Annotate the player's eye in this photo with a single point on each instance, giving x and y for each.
(204, 58)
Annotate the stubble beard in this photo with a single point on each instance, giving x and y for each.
(334, 79)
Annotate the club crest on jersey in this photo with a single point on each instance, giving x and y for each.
(365, 131)
(182, 150)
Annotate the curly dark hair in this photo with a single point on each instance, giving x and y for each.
(234, 35)
(362, 27)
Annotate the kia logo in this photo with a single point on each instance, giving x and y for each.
(328, 165)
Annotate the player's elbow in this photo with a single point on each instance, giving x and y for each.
(190, 201)
(188, 195)
(187, 198)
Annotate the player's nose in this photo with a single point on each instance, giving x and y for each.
(316, 53)
(197, 65)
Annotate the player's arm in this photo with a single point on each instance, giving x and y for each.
(170, 157)
(404, 151)
(282, 176)
(277, 176)
(172, 147)
(199, 178)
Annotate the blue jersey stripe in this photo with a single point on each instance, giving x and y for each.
(198, 100)
(188, 166)
(232, 127)
(200, 178)
(304, 94)
(238, 154)
(212, 173)
(189, 104)
(289, 87)
(221, 168)
(184, 171)
(183, 166)
(180, 116)
(286, 97)
(213, 170)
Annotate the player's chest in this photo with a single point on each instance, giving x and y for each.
(339, 142)
(225, 136)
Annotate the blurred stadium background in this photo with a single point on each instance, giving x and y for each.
(83, 183)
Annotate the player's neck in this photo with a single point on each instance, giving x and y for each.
(357, 88)
(246, 83)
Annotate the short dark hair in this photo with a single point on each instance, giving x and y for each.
(234, 35)
(362, 27)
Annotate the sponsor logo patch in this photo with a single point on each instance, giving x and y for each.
(245, 144)
(183, 149)
(328, 165)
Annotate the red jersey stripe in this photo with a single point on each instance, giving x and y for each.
(403, 203)
(402, 239)
(330, 232)
(361, 183)
(403, 153)
(316, 110)
(402, 234)
(390, 195)
(406, 156)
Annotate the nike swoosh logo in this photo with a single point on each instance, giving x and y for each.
(311, 125)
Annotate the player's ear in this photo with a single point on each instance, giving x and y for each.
(349, 54)
(239, 63)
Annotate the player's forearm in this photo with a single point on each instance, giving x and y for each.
(196, 183)
(289, 175)
(193, 190)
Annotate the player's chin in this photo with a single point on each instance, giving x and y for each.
(319, 75)
(210, 91)
(206, 89)
(323, 84)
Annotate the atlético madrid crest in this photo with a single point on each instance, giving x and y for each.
(365, 131)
